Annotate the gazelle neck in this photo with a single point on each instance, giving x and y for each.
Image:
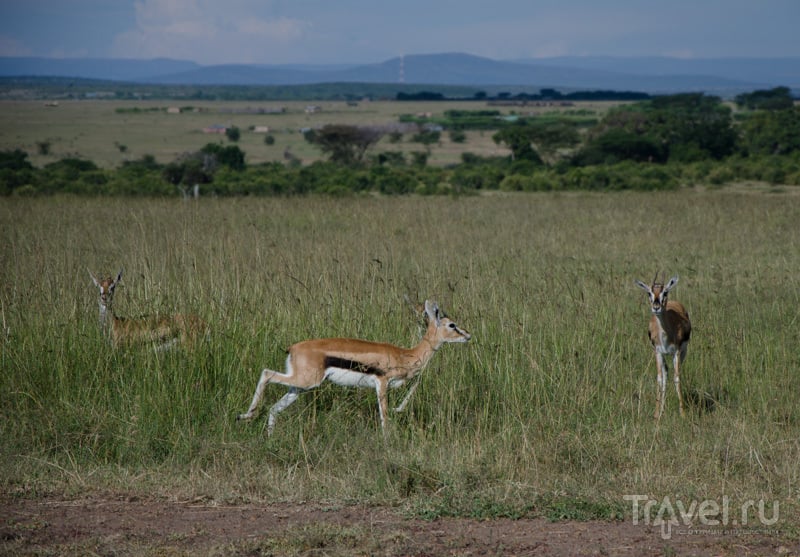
(427, 347)
(106, 320)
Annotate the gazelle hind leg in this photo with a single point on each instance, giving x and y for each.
(383, 406)
(263, 381)
(284, 403)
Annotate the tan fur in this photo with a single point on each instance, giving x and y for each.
(669, 331)
(385, 365)
(163, 330)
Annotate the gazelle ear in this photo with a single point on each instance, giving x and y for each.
(672, 282)
(642, 285)
(94, 280)
(432, 311)
(116, 280)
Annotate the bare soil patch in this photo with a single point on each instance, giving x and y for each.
(119, 525)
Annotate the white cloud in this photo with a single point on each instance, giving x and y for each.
(207, 31)
(10, 46)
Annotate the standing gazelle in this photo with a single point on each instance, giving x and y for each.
(669, 332)
(355, 363)
(164, 331)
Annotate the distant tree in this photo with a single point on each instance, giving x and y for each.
(618, 145)
(43, 147)
(775, 132)
(427, 138)
(230, 156)
(269, 139)
(684, 127)
(779, 98)
(420, 158)
(458, 136)
(140, 166)
(200, 166)
(233, 134)
(550, 135)
(518, 138)
(15, 171)
(15, 160)
(344, 144)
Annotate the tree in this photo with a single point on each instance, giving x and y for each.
(43, 147)
(458, 136)
(779, 98)
(774, 132)
(618, 145)
(684, 127)
(230, 156)
(427, 138)
(551, 135)
(233, 134)
(519, 139)
(15, 160)
(344, 144)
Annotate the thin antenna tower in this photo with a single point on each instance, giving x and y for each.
(401, 78)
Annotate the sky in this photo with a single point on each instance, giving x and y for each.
(369, 31)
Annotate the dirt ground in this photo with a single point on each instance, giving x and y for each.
(119, 525)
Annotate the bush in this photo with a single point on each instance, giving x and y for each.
(720, 175)
(458, 136)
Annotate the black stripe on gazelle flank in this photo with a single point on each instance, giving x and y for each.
(352, 365)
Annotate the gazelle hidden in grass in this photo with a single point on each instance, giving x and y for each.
(357, 363)
(669, 331)
(164, 331)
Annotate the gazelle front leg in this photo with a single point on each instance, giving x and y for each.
(661, 367)
(676, 364)
(402, 405)
(263, 381)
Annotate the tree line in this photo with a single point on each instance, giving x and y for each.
(657, 143)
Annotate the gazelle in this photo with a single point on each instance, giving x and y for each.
(669, 332)
(356, 363)
(164, 331)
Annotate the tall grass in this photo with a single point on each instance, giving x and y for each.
(551, 402)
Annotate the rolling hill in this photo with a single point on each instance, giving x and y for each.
(722, 76)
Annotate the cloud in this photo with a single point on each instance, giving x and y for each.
(10, 46)
(207, 31)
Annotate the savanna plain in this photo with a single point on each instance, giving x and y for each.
(539, 432)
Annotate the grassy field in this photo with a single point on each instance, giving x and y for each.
(547, 411)
(95, 130)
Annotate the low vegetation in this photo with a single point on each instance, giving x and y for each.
(546, 412)
(657, 143)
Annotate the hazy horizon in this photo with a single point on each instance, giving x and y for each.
(355, 32)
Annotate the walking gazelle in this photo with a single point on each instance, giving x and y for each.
(669, 331)
(356, 363)
(164, 331)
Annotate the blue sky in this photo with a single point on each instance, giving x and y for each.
(364, 31)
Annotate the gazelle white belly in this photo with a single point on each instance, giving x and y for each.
(349, 378)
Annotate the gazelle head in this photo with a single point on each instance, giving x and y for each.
(445, 329)
(658, 293)
(106, 287)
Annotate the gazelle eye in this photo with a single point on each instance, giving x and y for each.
(452, 325)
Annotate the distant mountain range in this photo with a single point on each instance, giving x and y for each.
(721, 76)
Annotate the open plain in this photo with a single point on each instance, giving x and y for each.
(536, 434)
